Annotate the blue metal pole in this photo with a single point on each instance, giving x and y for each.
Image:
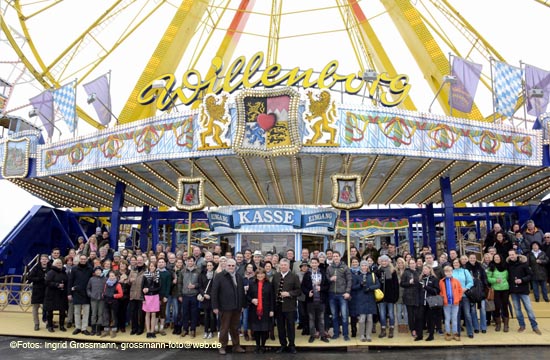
(174, 238)
(144, 231)
(432, 231)
(154, 228)
(447, 196)
(118, 203)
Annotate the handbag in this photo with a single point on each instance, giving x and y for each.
(378, 294)
(435, 301)
(489, 305)
(490, 294)
(200, 297)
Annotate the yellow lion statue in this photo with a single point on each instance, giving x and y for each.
(324, 109)
(212, 112)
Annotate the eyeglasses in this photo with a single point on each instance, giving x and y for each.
(230, 265)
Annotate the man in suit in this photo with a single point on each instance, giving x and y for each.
(228, 301)
(286, 287)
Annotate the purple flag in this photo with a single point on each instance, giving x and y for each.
(43, 105)
(102, 103)
(537, 81)
(464, 89)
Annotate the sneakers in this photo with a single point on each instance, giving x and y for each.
(205, 336)
(537, 331)
(209, 335)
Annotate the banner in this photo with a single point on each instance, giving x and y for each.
(101, 89)
(464, 89)
(537, 79)
(65, 100)
(507, 83)
(43, 105)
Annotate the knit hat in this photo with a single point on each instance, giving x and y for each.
(98, 268)
(533, 243)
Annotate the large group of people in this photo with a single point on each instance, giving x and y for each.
(248, 294)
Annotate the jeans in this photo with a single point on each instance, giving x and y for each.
(451, 318)
(316, 315)
(465, 306)
(244, 320)
(172, 307)
(386, 309)
(482, 316)
(524, 298)
(190, 312)
(542, 284)
(339, 305)
(402, 317)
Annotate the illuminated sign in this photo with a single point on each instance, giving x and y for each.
(242, 74)
(272, 216)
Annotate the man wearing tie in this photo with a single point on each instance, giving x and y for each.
(286, 287)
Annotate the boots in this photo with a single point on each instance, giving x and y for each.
(272, 334)
(390, 335)
(382, 332)
(353, 326)
(94, 328)
(498, 322)
(506, 324)
(246, 336)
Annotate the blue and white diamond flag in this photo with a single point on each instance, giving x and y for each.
(507, 87)
(65, 100)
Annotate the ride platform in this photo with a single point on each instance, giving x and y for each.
(19, 323)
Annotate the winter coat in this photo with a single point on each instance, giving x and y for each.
(538, 269)
(185, 278)
(411, 292)
(465, 278)
(519, 269)
(165, 283)
(307, 286)
(457, 290)
(390, 287)
(205, 287)
(292, 285)
(255, 323)
(533, 236)
(78, 282)
(494, 275)
(136, 279)
(94, 290)
(503, 247)
(38, 278)
(112, 293)
(343, 279)
(362, 301)
(429, 287)
(226, 296)
(55, 298)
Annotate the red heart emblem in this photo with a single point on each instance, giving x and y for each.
(266, 121)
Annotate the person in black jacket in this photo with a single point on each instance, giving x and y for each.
(228, 300)
(477, 271)
(56, 294)
(287, 288)
(389, 283)
(151, 303)
(261, 308)
(410, 282)
(519, 277)
(315, 286)
(37, 277)
(78, 281)
(206, 278)
(430, 287)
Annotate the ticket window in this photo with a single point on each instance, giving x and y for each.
(276, 243)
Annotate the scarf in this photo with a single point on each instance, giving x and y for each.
(449, 289)
(536, 253)
(152, 276)
(260, 307)
(110, 282)
(387, 272)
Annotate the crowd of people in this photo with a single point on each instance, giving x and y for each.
(248, 294)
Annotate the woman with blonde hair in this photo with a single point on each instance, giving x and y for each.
(401, 313)
(389, 283)
(430, 287)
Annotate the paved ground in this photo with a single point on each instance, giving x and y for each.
(17, 348)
